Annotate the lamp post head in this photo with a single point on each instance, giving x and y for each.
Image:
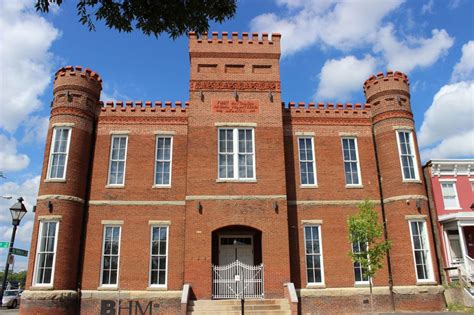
(18, 211)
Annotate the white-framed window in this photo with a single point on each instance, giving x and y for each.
(406, 149)
(450, 195)
(59, 153)
(110, 264)
(350, 156)
(421, 250)
(46, 253)
(359, 248)
(314, 254)
(307, 161)
(118, 157)
(159, 256)
(163, 160)
(236, 153)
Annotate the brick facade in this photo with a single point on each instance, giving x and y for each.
(234, 82)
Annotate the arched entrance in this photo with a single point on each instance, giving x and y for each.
(237, 268)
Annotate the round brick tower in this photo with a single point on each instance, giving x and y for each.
(402, 189)
(63, 194)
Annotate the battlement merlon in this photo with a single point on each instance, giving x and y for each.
(226, 44)
(70, 78)
(138, 107)
(391, 82)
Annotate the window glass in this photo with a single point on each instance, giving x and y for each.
(407, 155)
(360, 249)
(159, 240)
(163, 160)
(450, 197)
(313, 254)
(46, 252)
(351, 163)
(110, 255)
(117, 160)
(236, 153)
(307, 164)
(59, 152)
(421, 250)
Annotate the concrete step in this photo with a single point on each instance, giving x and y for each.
(239, 313)
(231, 307)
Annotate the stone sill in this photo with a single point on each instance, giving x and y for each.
(236, 180)
(161, 187)
(355, 186)
(54, 180)
(157, 288)
(107, 288)
(308, 186)
(316, 286)
(411, 181)
(115, 186)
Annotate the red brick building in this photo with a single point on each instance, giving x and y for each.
(141, 201)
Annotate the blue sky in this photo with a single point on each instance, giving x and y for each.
(329, 49)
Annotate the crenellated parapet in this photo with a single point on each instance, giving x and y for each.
(389, 95)
(143, 111)
(76, 77)
(328, 113)
(239, 41)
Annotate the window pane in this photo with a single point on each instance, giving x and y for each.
(158, 255)
(46, 252)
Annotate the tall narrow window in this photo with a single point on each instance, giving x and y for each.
(118, 155)
(46, 253)
(236, 154)
(351, 161)
(164, 151)
(159, 253)
(314, 259)
(59, 152)
(359, 248)
(407, 155)
(307, 163)
(110, 256)
(421, 251)
(450, 196)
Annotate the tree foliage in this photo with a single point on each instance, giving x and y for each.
(175, 17)
(365, 228)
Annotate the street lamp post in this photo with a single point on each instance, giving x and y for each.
(17, 211)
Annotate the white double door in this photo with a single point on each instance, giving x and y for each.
(232, 248)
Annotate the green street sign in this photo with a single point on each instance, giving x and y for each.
(4, 244)
(19, 252)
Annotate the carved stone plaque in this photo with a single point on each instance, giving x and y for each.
(232, 106)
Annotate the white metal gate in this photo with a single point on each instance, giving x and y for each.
(237, 279)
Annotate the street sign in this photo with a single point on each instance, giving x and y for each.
(4, 244)
(19, 252)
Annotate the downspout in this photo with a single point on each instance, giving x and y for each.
(385, 232)
(85, 213)
(434, 224)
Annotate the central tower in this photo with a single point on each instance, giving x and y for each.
(234, 181)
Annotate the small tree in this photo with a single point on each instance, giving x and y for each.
(365, 229)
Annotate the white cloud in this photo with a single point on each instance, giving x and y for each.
(26, 62)
(331, 22)
(36, 128)
(405, 55)
(447, 130)
(464, 69)
(427, 7)
(10, 160)
(340, 77)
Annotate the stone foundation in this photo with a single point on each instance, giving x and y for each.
(357, 300)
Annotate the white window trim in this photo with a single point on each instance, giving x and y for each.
(358, 161)
(313, 284)
(170, 136)
(101, 285)
(445, 181)
(314, 163)
(48, 173)
(121, 135)
(429, 263)
(165, 285)
(363, 282)
(38, 241)
(415, 158)
(235, 150)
